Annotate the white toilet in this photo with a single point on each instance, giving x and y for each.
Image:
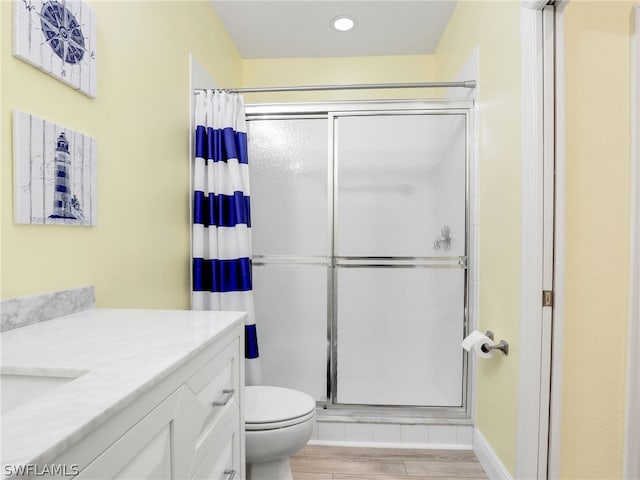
(278, 422)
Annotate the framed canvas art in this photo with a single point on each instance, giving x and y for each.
(58, 37)
(54, 173)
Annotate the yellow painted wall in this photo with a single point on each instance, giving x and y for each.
(138, 254)
(494, 27)
(337, 70)
(597, 36)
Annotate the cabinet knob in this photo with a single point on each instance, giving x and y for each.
(232, 474)
(228, 393)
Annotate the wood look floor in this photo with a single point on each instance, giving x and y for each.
(346, 463)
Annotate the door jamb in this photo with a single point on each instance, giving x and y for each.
(632, 414)
(537, 436)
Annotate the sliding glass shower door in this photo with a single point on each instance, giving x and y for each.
(400, 241)
(360, 252)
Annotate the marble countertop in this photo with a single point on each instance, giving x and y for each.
(115, 354)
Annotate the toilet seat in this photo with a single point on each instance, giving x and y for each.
(269, 408)
(253, 427)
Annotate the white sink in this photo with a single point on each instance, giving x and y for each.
(19, 388)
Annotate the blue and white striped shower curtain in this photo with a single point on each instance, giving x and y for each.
(221, 215)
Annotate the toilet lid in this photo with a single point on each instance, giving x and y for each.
(267, 405)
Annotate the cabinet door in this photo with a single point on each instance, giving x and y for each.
(160, 446)
(224, 460)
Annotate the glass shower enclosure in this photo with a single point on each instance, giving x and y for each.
(360, 226)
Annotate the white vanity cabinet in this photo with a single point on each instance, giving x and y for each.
(189, 425)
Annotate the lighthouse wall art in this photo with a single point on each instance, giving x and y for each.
(54, 173)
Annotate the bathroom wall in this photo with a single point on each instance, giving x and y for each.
(138, 254)
(494, 29)
(598, 172)
(338, 70)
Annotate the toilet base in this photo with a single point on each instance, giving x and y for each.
(277, 470)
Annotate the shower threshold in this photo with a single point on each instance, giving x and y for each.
(393, 415)
(393, 428)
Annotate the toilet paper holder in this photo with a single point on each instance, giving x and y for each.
(503, 345)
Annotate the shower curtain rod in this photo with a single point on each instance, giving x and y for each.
(360, 86)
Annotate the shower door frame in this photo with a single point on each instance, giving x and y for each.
(330, 111)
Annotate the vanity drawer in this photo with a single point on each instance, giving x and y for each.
(217, 385)
(209, 436)
(223, 461)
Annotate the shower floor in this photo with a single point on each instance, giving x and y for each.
(315, 462)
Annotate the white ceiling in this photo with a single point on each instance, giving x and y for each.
(289, 29)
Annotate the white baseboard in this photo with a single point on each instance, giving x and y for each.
(491, 463)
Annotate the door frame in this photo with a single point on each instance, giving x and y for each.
(542, 255)
(557, 365)
(632, 414)
(528, 432)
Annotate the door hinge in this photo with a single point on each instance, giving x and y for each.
(547, 298)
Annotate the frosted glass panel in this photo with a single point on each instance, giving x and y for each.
(401, 185)
(291, 311)
(288, 176)
(399, 334)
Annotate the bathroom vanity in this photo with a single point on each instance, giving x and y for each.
(125, 394)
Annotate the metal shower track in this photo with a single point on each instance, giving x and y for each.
(356, 86)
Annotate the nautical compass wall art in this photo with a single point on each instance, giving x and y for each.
(59, 37)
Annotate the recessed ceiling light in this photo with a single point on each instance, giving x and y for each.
(343, 23)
